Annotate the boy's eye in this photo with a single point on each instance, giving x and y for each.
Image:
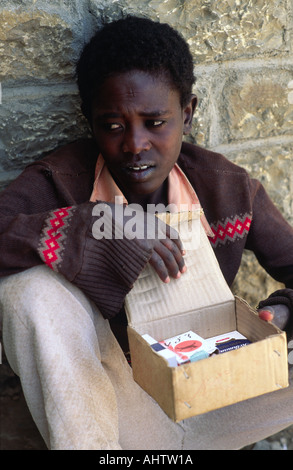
(113, 126)
(155, 123)
(110, 126)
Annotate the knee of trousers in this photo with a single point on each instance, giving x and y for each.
(28, 293)
(35, 306)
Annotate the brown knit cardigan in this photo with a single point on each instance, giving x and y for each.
(46, 216)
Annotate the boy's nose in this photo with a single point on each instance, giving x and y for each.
(135, 141)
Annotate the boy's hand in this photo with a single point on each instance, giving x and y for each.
(167, 248)
(167, 257)
(150, 232)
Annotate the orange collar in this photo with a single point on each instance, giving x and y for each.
(180, 191)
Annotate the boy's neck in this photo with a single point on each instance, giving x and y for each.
(160, 196)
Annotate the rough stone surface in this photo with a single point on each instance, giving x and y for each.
(242, 105)
(34, 44)
(244, 66)
(255, 105)
(35, 121)
(217, 30)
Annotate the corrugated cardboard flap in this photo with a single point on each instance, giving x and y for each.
(201, 286)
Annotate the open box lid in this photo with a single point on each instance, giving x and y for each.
(202, 285)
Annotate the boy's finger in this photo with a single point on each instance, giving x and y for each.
(266, 314)
(159, 266)
(176, 253)
(165, 263)
(173, 235)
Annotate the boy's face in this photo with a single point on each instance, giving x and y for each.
(138, 123)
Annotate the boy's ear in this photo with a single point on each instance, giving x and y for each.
(188, 114)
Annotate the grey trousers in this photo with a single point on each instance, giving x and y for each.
(79, 387)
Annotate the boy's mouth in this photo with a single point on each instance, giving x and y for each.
(139, 167)
(140, 171)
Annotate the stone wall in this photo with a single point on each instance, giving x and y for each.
(243, 62)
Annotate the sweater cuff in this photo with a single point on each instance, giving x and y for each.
(105, 269)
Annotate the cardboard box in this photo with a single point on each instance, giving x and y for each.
(201, 301)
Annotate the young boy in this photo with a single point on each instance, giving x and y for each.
(62, 286)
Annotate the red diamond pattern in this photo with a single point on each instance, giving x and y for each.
(53, 234)
(231, 229)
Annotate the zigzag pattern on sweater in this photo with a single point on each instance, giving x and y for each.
(53, 236)
(231, 229)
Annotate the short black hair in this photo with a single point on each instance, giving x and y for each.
(134, 43)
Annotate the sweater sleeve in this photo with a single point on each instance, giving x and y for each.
(105, 268)
(37, 227)
(270, 236)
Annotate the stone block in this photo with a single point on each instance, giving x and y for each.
(34, 44)
(254, 104)
(218, 31)
(35, 120)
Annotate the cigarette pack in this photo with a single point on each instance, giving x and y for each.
(185, 345)
(220, 340)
